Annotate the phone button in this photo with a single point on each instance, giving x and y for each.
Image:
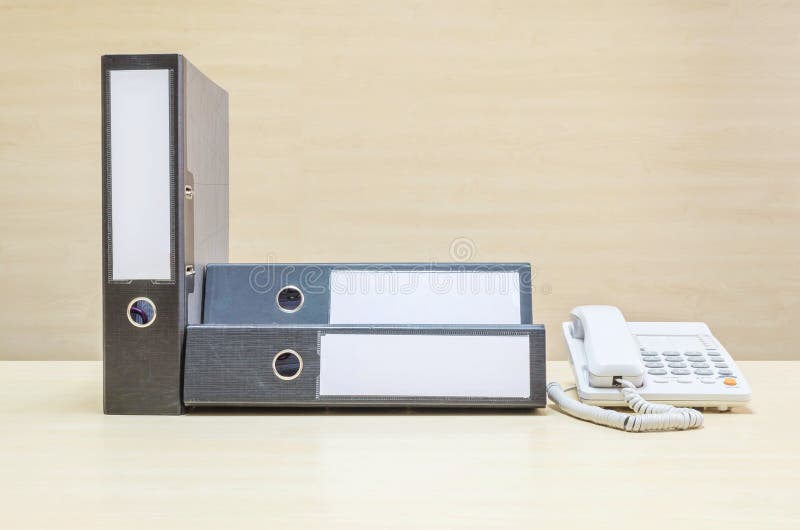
(708, 380)
(657, 372)
(653, 365)
(661, 380)
(684, 379)
(677, 365)
(703, 371)
(680, 372)
(730, 381)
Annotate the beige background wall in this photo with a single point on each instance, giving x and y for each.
(641, 154)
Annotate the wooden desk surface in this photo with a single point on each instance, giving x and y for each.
(65, 464)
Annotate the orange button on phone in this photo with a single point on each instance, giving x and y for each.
(730, 381)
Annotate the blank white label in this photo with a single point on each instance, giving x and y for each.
(424, 366)
(140, 184)
(424, 297)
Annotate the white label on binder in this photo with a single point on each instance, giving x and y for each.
(424, 297)
(424, 365)
(140, 178)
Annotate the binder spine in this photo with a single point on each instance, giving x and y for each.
(347, 366)
(144, 310)
(368, 293)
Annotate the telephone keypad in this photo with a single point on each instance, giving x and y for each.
(691, 365)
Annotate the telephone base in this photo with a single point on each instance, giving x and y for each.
(695, 369)
(690, 404)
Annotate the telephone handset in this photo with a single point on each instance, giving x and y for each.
(611, 352)
(651, 367)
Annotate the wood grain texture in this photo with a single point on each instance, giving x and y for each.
(640, 154)
(65, 465)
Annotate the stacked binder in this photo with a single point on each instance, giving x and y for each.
(184, 328)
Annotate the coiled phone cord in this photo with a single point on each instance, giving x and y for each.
(649, 417)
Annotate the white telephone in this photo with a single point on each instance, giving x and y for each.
(652, 367)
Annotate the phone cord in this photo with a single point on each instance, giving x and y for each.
(649, 417)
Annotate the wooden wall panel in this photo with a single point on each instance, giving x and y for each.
(641, 154)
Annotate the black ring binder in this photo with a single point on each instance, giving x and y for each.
(143, 361)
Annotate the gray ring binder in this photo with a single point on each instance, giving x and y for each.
(230, 365)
